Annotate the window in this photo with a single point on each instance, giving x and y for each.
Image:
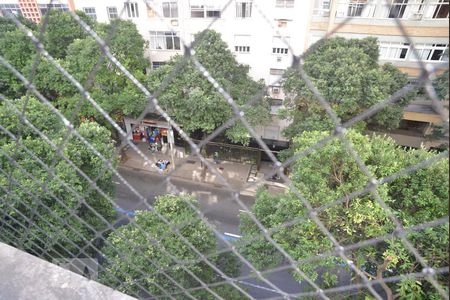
(201, 11)
(279, 45)
(112, 13)
(170, 9)
(132, 9)
(279, 50)
(11, 9)
(242, 43)
(242, 49)
(397, 8)
(276, 71)
(441, 10)
(90, 12)
(243, 9)
(157, 64)
(46, 7)
(321, 8)
(213, 13)
(431, 52)
(164, 40)
(284, 3)
(355, 8)
(397, 51)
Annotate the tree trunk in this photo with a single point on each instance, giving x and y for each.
(385, 287)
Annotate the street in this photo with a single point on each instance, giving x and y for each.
(217, 205)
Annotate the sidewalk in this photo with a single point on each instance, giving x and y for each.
(236, 174)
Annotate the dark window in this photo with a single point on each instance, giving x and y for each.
(157, 64)
(398, 8)
(441, 11)
(213, 13)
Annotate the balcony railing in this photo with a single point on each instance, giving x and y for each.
(402, 9)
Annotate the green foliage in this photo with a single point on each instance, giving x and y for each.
(19, 51)
(51, 227)
(115, 93)
(37, 113)
(7, 25)
(137, 241)
(347, 74)
(62, 29)
(195, 103)
(441, 85)
(80, 55)
(330, 173)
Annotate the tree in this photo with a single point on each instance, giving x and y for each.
(18, 50)
(347, 74)
(195, 103)
(440, 84)
(115, 93)
(6, 25)
(50, 212)
(130, 249)
(331, 173)
(62, 29)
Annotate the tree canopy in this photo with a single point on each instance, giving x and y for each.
(62, 30)
(45, 204)
(80, 55)
(195, 103)
(330, 173)
(440, 84)
(146, 256)
(347, 74)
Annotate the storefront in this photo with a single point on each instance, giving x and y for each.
(152, 129)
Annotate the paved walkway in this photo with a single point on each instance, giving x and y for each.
(190, 168)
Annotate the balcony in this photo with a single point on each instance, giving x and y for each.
(413, 10)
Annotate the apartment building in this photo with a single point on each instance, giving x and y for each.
(256, 31)
(425, 22)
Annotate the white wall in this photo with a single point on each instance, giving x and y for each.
(258, 27)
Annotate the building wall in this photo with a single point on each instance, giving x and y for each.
(257, 31)
(417, 19)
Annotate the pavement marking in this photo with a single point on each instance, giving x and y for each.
(116, 182)
(232, 235)
(258, 286)
(246, 211)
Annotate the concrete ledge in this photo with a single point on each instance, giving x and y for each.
(24, 276)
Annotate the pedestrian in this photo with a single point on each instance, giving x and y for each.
(216, 157)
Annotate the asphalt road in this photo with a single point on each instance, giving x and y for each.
(216, 204)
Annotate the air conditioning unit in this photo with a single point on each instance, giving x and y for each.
(174, 22)
(279, 58)
(275, 90)
(417, 16)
